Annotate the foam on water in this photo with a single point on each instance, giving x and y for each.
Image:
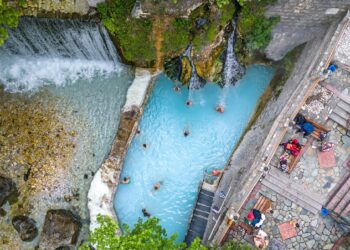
(29, 74)
(178, 161)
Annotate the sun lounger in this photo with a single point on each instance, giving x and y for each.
(294, 161)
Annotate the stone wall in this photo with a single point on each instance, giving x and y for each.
(301, 21)
(106, 179)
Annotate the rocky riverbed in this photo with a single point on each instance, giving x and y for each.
(36, 149)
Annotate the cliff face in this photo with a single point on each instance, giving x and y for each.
(301, 21)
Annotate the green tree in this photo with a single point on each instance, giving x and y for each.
(146, 235)
(8, 19)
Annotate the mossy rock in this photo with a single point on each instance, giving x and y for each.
(186, 70)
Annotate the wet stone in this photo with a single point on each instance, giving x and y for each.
(26, 227)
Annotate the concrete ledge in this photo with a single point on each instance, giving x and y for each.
(137, 91)
(106, 179)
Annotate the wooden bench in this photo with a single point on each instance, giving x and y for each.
(318, 129)
(294, 160)
(264, 205)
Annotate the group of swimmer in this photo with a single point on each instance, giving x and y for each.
(219, 108)
(156, 186)
(126, 180)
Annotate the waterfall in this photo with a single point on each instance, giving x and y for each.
(195, 81)
(50, 51)
(233, 71)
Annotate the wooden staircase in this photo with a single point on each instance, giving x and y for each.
(339, 201)
(297, 193)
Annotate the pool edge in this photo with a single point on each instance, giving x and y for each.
(105, 182)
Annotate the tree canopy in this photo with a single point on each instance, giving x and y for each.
(8, 19)
(146, 235)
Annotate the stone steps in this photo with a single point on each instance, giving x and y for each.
(339, 201)
(297, 193)
(338, 119)
(344, 106)
(341, 112)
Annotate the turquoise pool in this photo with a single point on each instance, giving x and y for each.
(178, 161)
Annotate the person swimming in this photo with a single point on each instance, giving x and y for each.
(144, 145)
(220, 109)
(126, 180)
(189, 103)
(145, 213)
(156, 186)
(186, 131)
(177, 88)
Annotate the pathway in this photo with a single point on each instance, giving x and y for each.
(299, 194)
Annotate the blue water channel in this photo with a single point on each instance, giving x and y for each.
(178, 162)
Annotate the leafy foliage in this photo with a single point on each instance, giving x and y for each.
(254, 28)
(8, 19)
(146, 235)
(177, 37)
(134, 35)
(216, 21)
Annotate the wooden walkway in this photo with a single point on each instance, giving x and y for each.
(297, 193)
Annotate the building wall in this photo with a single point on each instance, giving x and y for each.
(301, 21)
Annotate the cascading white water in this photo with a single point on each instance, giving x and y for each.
(44, 52)
(195, 81)
(233, 71)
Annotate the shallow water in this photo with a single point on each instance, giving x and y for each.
(84, 94)
(176, 161)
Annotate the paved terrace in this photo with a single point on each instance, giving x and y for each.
(300, 195)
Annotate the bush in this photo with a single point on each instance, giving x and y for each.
(8, 19)
(145, 235)
(253, 27)
(134, 35)
(177, 37)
